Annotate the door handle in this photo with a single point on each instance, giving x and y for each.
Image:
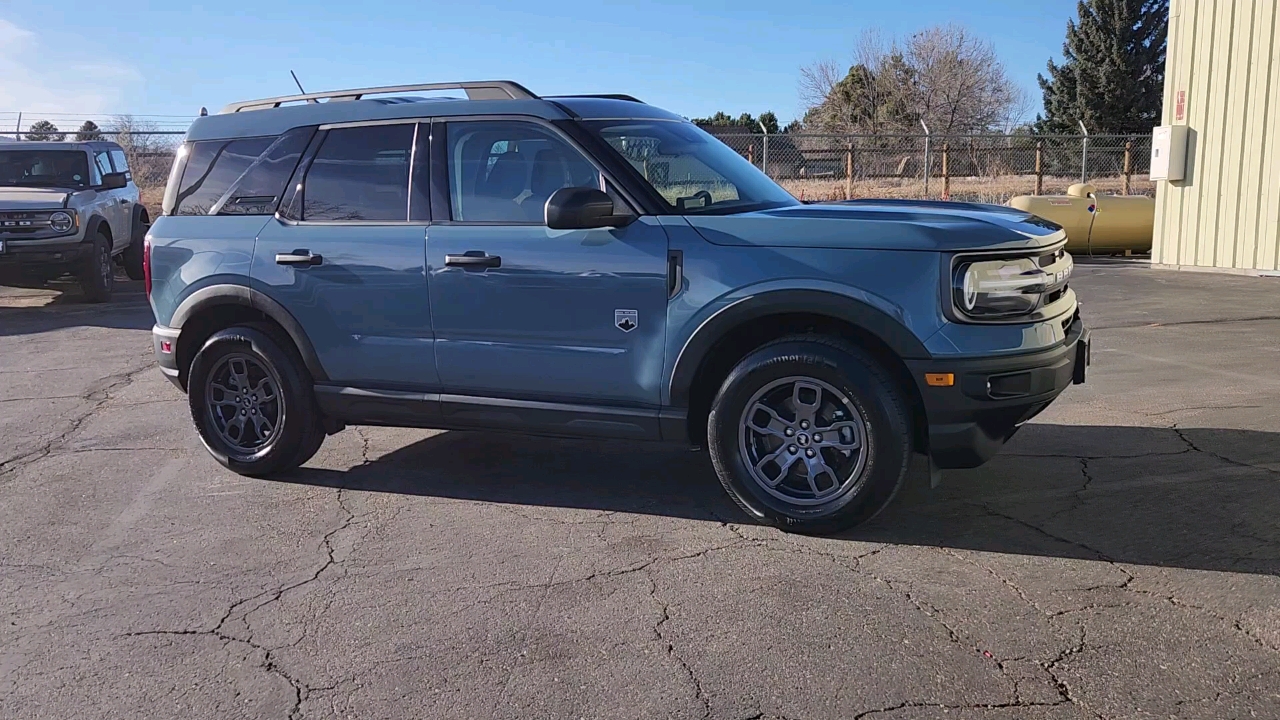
(299, 257)
(473, 259)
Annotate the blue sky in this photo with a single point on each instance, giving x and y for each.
(692, 58)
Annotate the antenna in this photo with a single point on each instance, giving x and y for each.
(296, 82)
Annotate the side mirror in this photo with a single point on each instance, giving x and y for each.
(113, 181)
(579, 208)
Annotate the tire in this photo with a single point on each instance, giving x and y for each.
(132, 255)
(97, 273)
(278, 422)
(850, 476)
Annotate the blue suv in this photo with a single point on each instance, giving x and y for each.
(591, 266)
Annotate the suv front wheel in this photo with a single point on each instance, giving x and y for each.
(97, 275)
(252, 403)
(810, 434)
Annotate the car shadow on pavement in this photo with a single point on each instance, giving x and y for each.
(1197, 498)
(61, 305)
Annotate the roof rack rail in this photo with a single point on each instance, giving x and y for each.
(479, 90)
(603, 96)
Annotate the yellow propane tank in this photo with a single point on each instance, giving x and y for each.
(1096, 223)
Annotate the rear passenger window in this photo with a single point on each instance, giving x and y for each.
(360, 174)
(211, 169)
(257, 191)
(122, 164)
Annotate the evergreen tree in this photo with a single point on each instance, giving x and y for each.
(89, 131)
(41, 130)
(1112, 74)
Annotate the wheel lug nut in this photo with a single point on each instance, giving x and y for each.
(817, 437)
(808, 453)
(790, 432)
(804, 424)
(793, 449)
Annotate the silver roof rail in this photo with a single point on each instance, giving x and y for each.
(479, 90)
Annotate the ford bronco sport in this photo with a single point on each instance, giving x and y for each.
(591, 266)
(69, 207)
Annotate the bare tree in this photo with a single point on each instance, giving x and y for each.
(943, 75)
(960, 84)
(150, 153)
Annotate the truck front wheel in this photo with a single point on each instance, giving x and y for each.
(810, 434)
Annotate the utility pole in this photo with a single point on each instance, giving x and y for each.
(764, 158)
(928, 155)
(1084, 153)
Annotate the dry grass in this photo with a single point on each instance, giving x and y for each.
(997, 190)
(152, 199)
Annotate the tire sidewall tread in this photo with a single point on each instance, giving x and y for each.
(873, 392)
(295, 441)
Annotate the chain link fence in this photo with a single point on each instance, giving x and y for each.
(981, 168)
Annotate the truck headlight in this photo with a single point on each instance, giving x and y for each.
(61, 221)
(994, 289)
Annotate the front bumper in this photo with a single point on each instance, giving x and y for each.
(971, 420)
(62, 254)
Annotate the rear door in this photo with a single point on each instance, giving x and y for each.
(345, 255)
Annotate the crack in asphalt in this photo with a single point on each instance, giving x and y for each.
(1179, 323)
(699, 693)
(1182, 435)
(98, 396)
(269, 663)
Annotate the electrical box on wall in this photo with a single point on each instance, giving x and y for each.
(1169, 152)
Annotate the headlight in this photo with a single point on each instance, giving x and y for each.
(61, 221)
(996, 289)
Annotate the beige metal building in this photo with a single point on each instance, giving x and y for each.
(1222, 81)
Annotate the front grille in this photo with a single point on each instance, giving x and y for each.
(1055, 295)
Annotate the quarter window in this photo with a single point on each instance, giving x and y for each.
(211, 169)
(504, 171)
(121, 163)
(360, 174)
(257, 191)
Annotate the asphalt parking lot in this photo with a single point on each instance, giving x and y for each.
(1120, 559)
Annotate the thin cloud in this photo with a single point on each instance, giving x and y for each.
(38, 77)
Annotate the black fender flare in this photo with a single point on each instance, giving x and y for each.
(872, 320)
(91, 227)
(138, 211)
(212, 296)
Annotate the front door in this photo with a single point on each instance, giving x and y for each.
(346, 259)
(112, 203)
(524, 312)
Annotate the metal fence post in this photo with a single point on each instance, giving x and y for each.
(848, 171)
(1084, 153)
(1039, 167)
(1128, 166)
(764, 155)
(946, 171)
(927, 156)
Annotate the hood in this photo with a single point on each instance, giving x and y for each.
(25, 198)
(883, 225)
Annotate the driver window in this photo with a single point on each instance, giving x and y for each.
(504, 171)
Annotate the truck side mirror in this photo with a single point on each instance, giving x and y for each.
(580, 208)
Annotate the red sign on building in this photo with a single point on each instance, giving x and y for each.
(1180, 107)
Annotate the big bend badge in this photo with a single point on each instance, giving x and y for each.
(625, 320)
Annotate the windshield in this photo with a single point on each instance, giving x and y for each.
(693, 171)
(44, 168)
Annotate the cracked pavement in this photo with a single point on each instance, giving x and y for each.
(1118, 560)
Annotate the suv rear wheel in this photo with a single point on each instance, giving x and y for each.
(97, 275)
(252, 403)
(810, 434)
